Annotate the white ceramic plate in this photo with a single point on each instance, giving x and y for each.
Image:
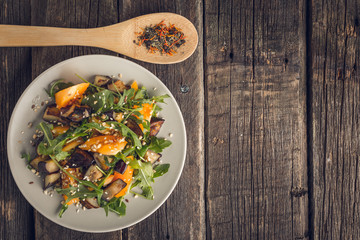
(19, 136)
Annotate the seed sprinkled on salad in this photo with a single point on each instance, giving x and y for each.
(98, 142)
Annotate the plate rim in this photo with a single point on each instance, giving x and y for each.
(178, 173)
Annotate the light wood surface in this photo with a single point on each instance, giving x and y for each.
(118, 37)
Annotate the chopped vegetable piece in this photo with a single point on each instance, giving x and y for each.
(52, 114)
(126, 177)
(80, 158)
(106, 144)
(73, 144)
(101, 80)
(117, 86)
(135, 86)
(35, 162)
(90, 203)
(155, 125)
(51, 180)
(113, 189)
(48, 166)
(70, 94)
(92, 174)
(58, 130)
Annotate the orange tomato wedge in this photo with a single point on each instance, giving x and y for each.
(107, 144)
(146, 111)
(74, 200)
(68, 95)
(135, 86)
(126, 177)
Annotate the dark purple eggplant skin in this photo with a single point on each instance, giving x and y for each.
(47, 167)
(66, 111)
(113, 189)
(52, 114)
(155, 125)
(80, 113)
(134, 127)
(80, 158)
(54, 177)
(110, 115)
(120, 167)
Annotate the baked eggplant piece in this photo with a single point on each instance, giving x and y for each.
(120, 167)
(151, 156)
(134, 127)
(48, 167)
(90, 203)
(155, 125)
(111, 115)
(52, 114)
(66, 111)
(35, 162)
(113, 189)
(92, 174)
(101, 161)
(101, 80)
(79, 113)
(80, 158)
(117, 86)
(51, 180)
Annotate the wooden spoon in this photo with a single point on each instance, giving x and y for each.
(118, 37)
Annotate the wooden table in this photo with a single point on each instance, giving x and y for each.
(272, 116)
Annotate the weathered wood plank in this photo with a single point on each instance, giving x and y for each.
(61, 13)
(182, 215)
(256, 163)
(335, 119)
(16, 216)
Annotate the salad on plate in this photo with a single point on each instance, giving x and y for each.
(98, 142)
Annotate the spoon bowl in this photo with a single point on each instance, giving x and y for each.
(120, 37)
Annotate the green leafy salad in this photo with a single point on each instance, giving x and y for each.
(98, 142)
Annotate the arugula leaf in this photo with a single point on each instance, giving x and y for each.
(158, 144)
(125, 131)
(145, 177)
(117, 206)
(58, 86)
(64, 207)
(161, 169)
(160, 99)
(81, 192)
(141, 152)
(156, 110)
(125, 96)
(101, 101)
(26, 156)
(141, 94)
(50, 146)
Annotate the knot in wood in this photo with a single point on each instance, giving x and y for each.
(298, 192)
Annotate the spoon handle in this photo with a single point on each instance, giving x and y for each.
(26, 36)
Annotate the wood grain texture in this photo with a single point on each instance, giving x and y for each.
(256, 163)
(16, 215)
(335, 119)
